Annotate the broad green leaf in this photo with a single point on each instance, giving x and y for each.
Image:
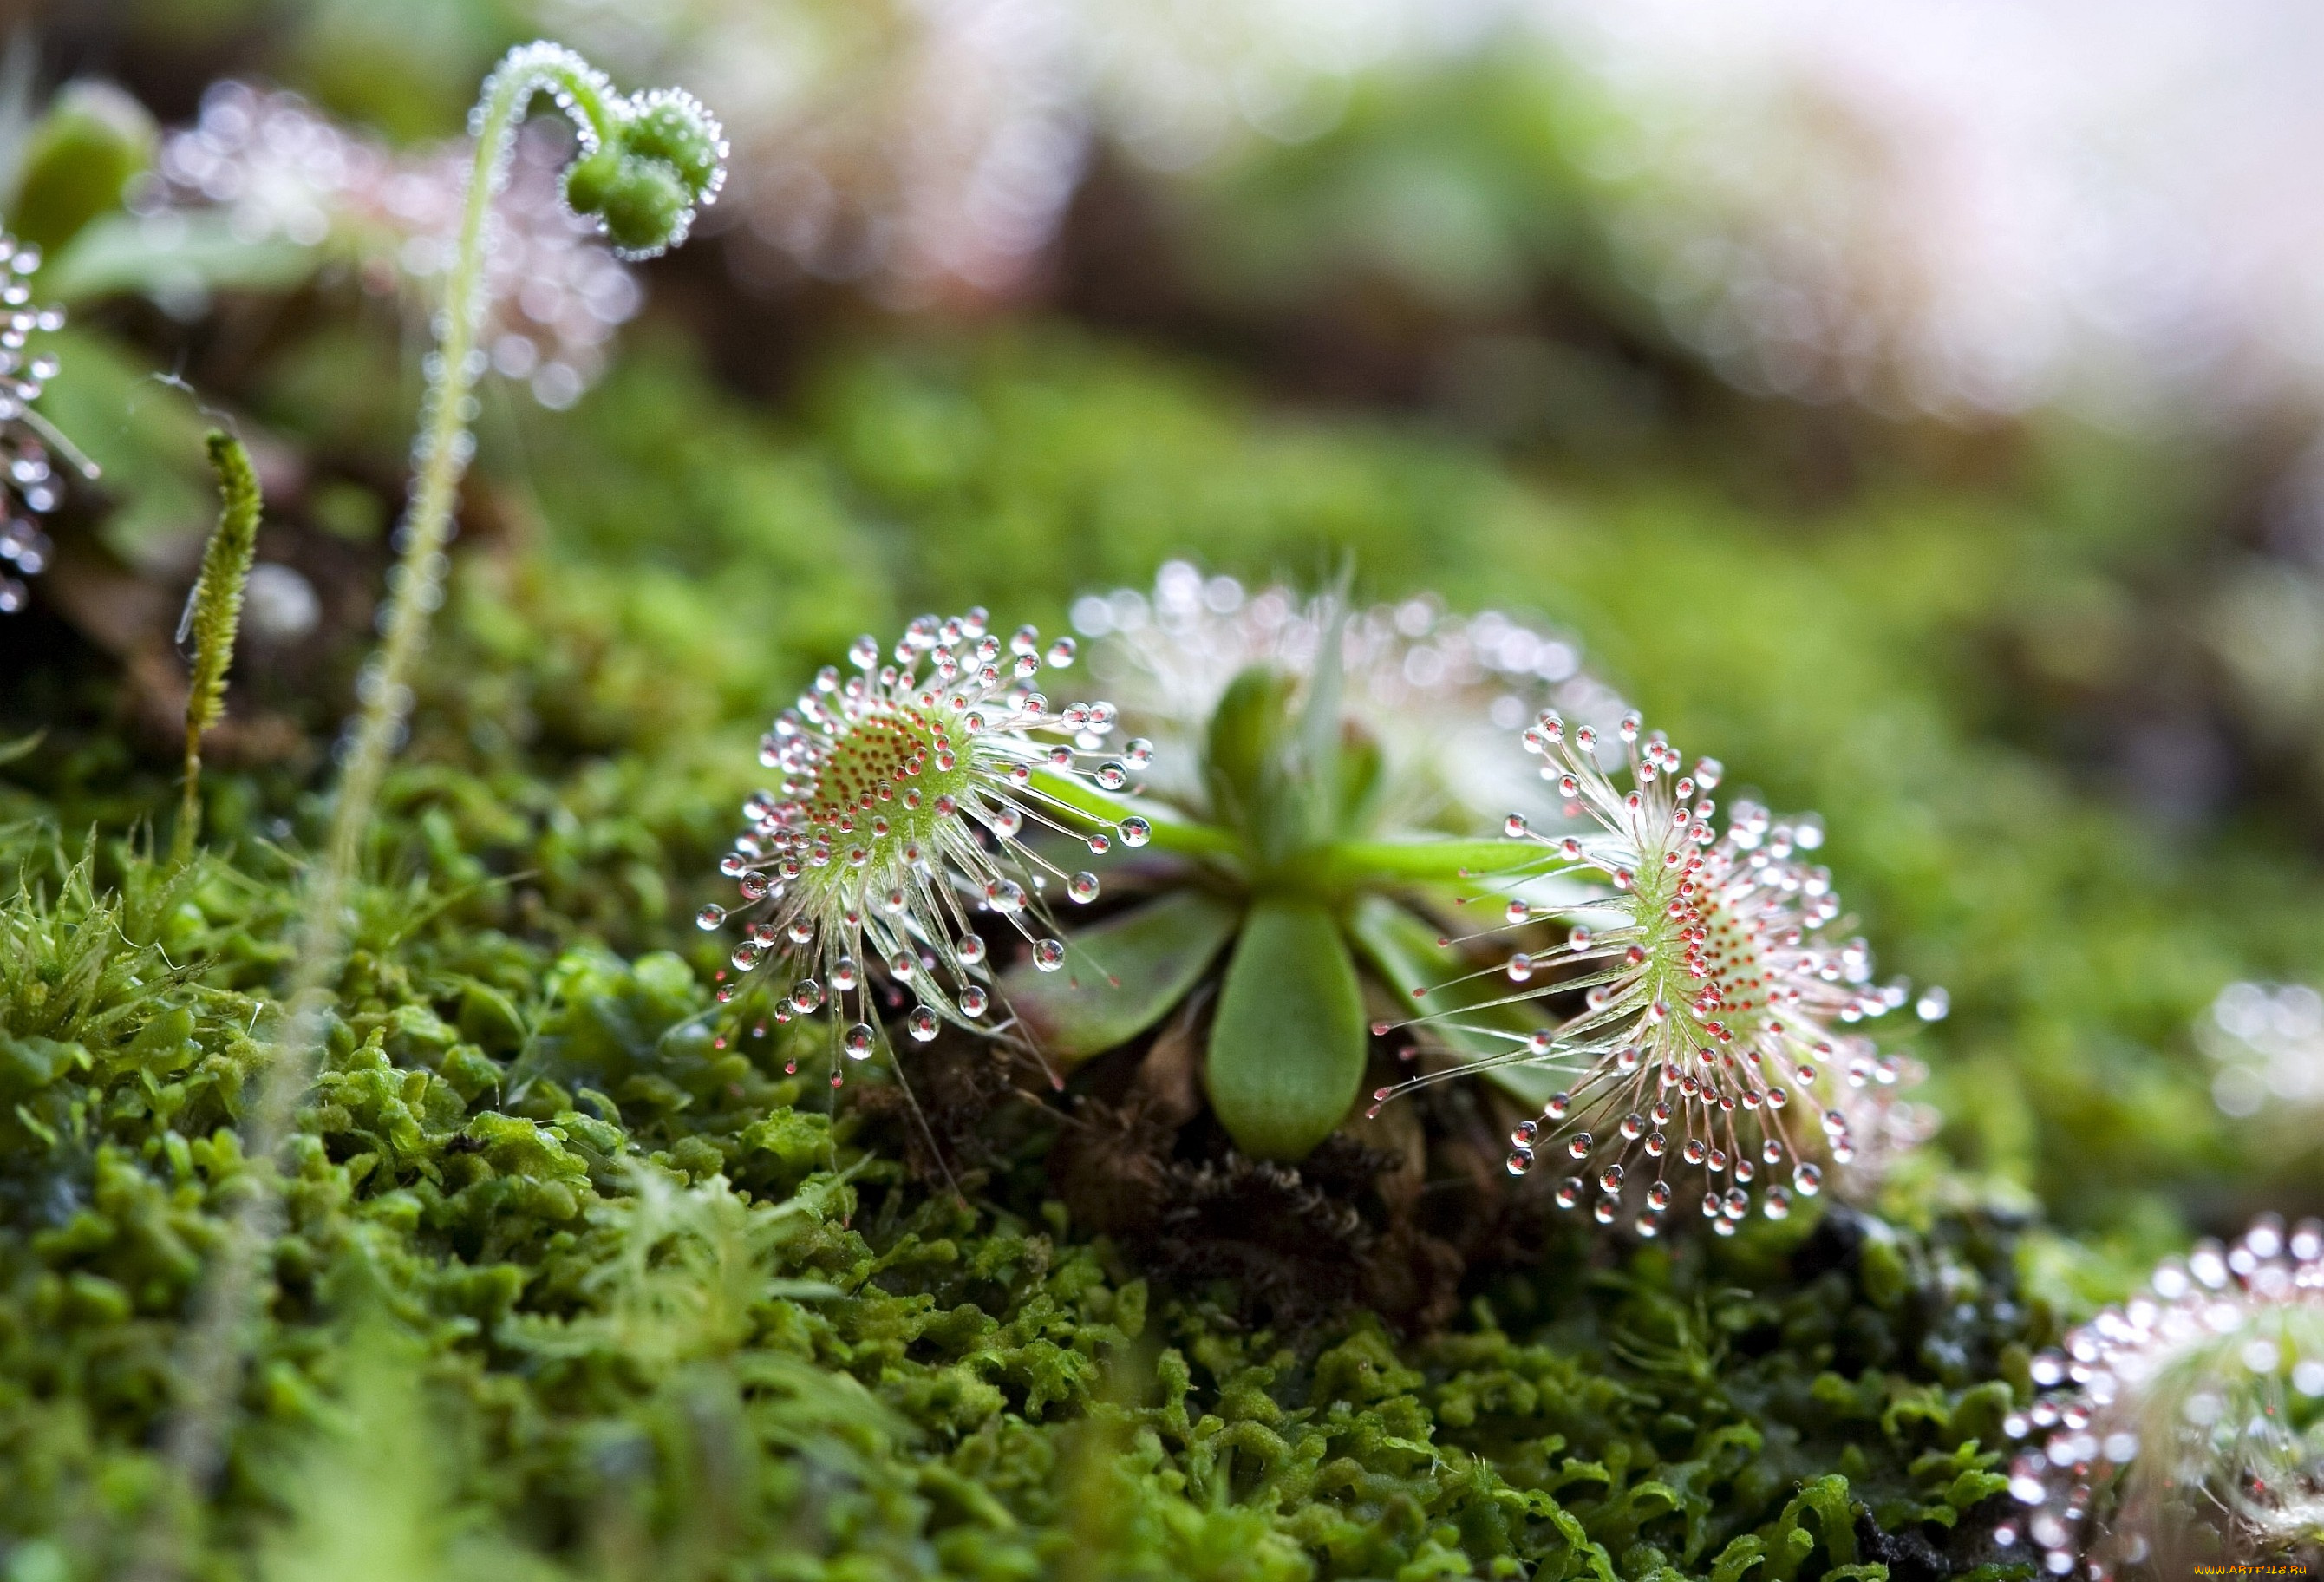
(1286, 1057)
(1402, 950)
(1121, 975)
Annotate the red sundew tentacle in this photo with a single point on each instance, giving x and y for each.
(1728, 979)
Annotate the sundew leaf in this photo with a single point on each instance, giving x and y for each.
(1402, 950)
(1121, 975)
(1287, 1056)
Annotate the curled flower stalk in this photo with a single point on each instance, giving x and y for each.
(646, 162)
(906, 826)
(2186, 1425)
(1712, 1052)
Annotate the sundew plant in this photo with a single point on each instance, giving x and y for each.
(1301, 1079)
(1715, 996)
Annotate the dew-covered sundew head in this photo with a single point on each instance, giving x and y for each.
(905, 827)
(30, 488)
(1713, 1053)
(2186, 1425)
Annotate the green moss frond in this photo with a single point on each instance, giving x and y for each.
(214, 615)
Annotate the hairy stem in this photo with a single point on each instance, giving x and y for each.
(211, 1366)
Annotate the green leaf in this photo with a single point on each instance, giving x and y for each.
(1121, 975)
(1287, 1056)
(93, 139)
(1242, 758)
(1402, 948)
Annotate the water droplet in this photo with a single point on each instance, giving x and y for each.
(1007, 820)
(1520, 1161)
(921, 1023)
(1112, 775)
(1778, 1205)
(710, 917)
(863, 652)
(1569, 1191)
(1061, 653)
(1005, 897)
(1578, 1145)
(843, 975)
(1933, 1006)
(806, 995)
(745, 957)
(1049, 954)
(974, 1001)
(1138, 752)
(969, 949)
(1136, 831)
(858, 1042)
(1809, 1180)
(1083, 887)
(1513, 826)
(1520, 968)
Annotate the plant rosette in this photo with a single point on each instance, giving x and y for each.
(1694, 1031)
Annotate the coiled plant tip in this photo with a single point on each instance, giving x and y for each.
(648, 163)
(213, 615)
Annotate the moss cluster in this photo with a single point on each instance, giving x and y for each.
(640, 1313)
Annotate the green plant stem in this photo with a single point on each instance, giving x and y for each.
(1182, 837)
(211, 1366)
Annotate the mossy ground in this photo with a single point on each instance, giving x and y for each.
(570, 1287)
